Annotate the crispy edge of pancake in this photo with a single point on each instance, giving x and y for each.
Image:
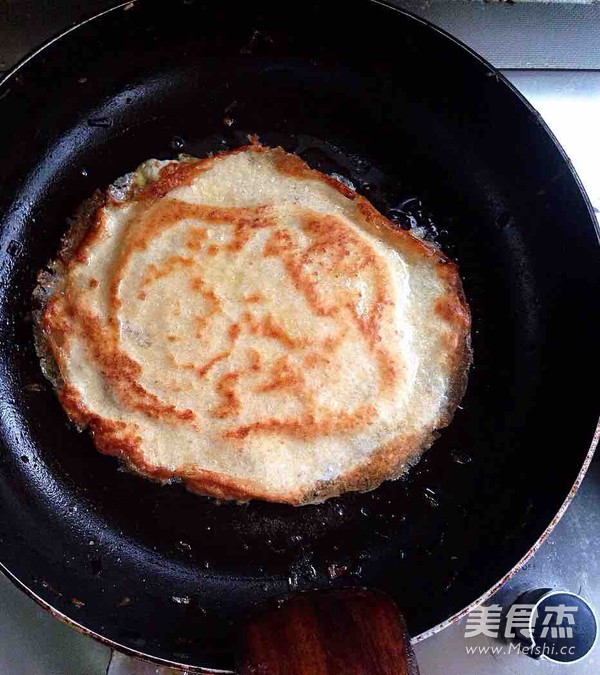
(113, 438)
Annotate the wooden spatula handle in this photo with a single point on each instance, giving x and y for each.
(348, 632)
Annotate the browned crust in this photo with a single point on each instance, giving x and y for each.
(391, 460)
(120, 439)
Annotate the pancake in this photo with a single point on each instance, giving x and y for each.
(253, 328)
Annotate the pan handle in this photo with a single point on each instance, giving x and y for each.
(347, 632)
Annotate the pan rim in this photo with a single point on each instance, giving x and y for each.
(55, 38)
(493, 72)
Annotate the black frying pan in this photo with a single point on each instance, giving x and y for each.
(405, 112)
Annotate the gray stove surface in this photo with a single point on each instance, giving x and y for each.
(551, 53)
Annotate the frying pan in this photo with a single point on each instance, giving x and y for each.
(430, 133)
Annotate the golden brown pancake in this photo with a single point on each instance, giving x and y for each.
(253, 328)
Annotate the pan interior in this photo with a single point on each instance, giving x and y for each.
(434, 138)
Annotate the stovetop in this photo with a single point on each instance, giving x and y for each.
(551, 53)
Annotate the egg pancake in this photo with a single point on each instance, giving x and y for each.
(253, 328)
